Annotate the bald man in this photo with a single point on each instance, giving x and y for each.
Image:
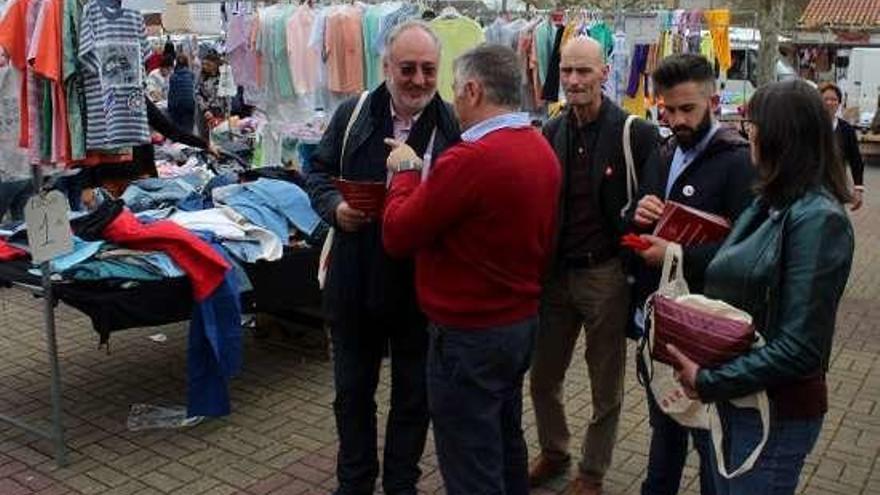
(586, 290)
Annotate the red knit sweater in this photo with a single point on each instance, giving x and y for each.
(481, 227)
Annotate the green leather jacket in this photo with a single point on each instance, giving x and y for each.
(787, 268)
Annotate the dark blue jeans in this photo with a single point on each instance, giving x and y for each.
(779, 466)
(668, 452)
(359, 343)
(475, 380)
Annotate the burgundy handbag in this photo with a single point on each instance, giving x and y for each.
(708, 338)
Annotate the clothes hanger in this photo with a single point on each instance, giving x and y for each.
(449, 12)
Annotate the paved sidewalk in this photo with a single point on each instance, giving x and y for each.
(281, 438)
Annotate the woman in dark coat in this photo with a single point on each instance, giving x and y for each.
(846, 140)
(182, 95)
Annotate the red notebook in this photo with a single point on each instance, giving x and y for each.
(689, 226)
(368, 197)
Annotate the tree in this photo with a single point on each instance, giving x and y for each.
(770, 18)
(793, 10)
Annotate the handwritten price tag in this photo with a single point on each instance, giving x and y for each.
(48, 226)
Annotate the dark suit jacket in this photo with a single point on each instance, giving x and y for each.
(849, 147)
(608, 172)
(361, 275)
(718, 181)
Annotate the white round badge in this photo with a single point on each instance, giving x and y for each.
(688, 190)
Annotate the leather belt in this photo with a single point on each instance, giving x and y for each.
(591, 260)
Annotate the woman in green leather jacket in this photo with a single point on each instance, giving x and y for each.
(785, 262)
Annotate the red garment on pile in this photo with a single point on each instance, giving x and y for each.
(154, 61)
(10, 253)
(204, 266)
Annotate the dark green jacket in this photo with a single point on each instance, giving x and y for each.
(787, 268)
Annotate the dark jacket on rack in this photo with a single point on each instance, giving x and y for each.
(361, 274)
(607, 165)
(144, 156)
(787, 268)
(718, 181)
(849, 147)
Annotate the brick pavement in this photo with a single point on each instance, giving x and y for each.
(280, 439)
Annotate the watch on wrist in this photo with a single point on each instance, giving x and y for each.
(408, 165)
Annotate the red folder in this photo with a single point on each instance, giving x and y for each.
(689, 226)
(368, 197)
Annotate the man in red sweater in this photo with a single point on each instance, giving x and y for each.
(481, 227)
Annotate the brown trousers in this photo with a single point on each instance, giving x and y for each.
(594, 299)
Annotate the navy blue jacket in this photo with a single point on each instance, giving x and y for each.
(718, 181)
(182, 90)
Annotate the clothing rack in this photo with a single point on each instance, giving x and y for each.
(56, 433)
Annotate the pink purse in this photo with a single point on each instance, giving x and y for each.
(708, 338)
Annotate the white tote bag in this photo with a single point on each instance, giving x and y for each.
(668, 392)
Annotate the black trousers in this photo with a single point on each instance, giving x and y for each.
(360, 340)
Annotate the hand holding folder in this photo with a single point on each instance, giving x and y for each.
(366, 196)
(689, 226)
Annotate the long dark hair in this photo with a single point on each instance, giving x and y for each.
(796, 147)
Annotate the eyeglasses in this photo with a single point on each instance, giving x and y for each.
(409, 69)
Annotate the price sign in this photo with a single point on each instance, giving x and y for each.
(48, 226)
(642, 29)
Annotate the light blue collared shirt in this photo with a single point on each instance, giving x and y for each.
(682, 158)
(512, 120)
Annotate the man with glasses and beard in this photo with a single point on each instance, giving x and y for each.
(705, 166)
(369, 296)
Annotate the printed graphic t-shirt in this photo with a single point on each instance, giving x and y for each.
(112, 45)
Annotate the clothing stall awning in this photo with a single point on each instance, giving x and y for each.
(851, 14)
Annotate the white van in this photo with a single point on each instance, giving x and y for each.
(862, 85)
(742, 78)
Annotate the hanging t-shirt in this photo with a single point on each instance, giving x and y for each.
(112, 45)
(272, 47)
(14, 41)
(545, 34)
(38, 103)
(279, 51)
(617, 76)
(707, 48)
(344, 45)
(13, 160)
(502, 32)
(372, 25)
(457, 35)
(16, 29)
(239, 54)
(303, 58)
(719, 26)
(73, 87)
(604, 36)
(46, 57)
(322, 98)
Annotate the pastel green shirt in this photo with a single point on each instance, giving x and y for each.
(457, 35)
